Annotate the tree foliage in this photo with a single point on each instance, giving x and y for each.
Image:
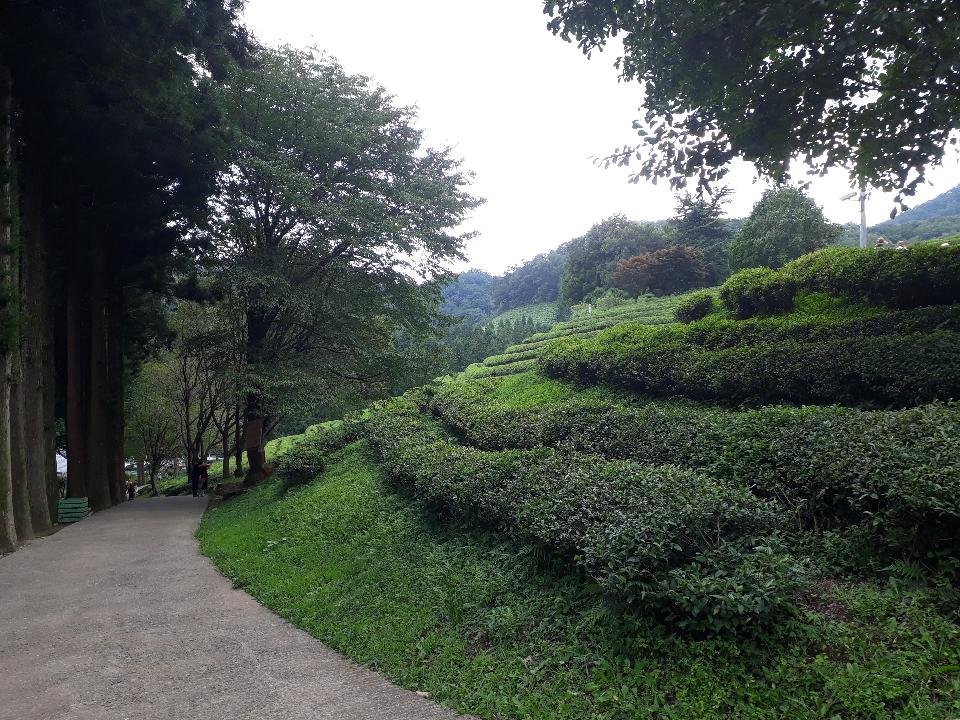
(535, 281)
(700, 224)
(664, 272)
(151, 425)
(870, 85)
(470, 295)
(593, 257)
(783, 225)
(331, 227)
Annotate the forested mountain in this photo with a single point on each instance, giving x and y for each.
(932, 219)
(470, 295)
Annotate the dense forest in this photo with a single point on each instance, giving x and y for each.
(202, 238)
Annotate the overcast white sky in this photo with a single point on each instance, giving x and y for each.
(526, 111)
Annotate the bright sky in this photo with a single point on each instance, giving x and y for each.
(525, 110)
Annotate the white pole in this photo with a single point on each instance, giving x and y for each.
(863, 216)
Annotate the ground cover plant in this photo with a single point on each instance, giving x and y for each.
(616, 547)
(484, 627)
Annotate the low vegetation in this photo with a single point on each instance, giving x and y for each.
(489, 627)
(631, 517)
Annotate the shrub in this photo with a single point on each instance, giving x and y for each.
(890, 369)
(695, 306)
(305, 459)
(302, 462)
(826, 466)
(627, 525)
(758, 291)
(926, 274)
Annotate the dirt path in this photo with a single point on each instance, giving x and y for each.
(119, 616)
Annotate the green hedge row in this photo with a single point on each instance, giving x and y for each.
(717, 333)
(824, 465)
(695, 306)
(507, 358)
(662, 538)
(926, 274)
(541, 338)
(304, 460)
(900, 370)
(502, 370)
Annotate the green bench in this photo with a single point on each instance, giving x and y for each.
(71, 510)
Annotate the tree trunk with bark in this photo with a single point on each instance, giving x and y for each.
(18, 441)
(115, 387)
(238, 432)
(34, 384)
(98, 427)
(49, 351)
(8, 532)
(225, 469)
(78, 372)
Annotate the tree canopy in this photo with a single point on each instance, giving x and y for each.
(783, 225)
(663, 272)
(592, 257)
(331, 227)
(872, 86)
(701, 225)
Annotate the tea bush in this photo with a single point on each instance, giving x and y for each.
(649, 535)
(695, 306)
(926, 274)
(826, 466)
(305, 459)
(898, 370)
(758, 291)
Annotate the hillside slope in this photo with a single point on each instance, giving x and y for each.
(660, 529)
(932, 219)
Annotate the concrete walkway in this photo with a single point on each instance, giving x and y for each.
(120, 617)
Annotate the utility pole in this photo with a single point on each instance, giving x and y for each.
(863, 217)
(862, 197)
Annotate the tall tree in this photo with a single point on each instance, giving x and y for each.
(8, 531)
(117, 141)
(872, 85)
(700, 224)
(151, 425)
(783, 225)
(329, 212)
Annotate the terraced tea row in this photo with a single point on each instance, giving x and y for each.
(522, 356)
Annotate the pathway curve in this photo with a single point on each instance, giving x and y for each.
(120, 617)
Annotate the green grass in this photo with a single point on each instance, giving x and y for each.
(530, 389)
(481, 625)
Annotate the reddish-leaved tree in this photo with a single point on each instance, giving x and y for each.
(663, 272)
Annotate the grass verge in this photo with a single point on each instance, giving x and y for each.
(486, 629)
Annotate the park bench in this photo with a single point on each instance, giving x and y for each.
(70, 510)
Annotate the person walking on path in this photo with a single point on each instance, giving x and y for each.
(194, 472)
(204, 477)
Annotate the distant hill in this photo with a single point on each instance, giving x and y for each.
(932, 219)
(478, 296)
